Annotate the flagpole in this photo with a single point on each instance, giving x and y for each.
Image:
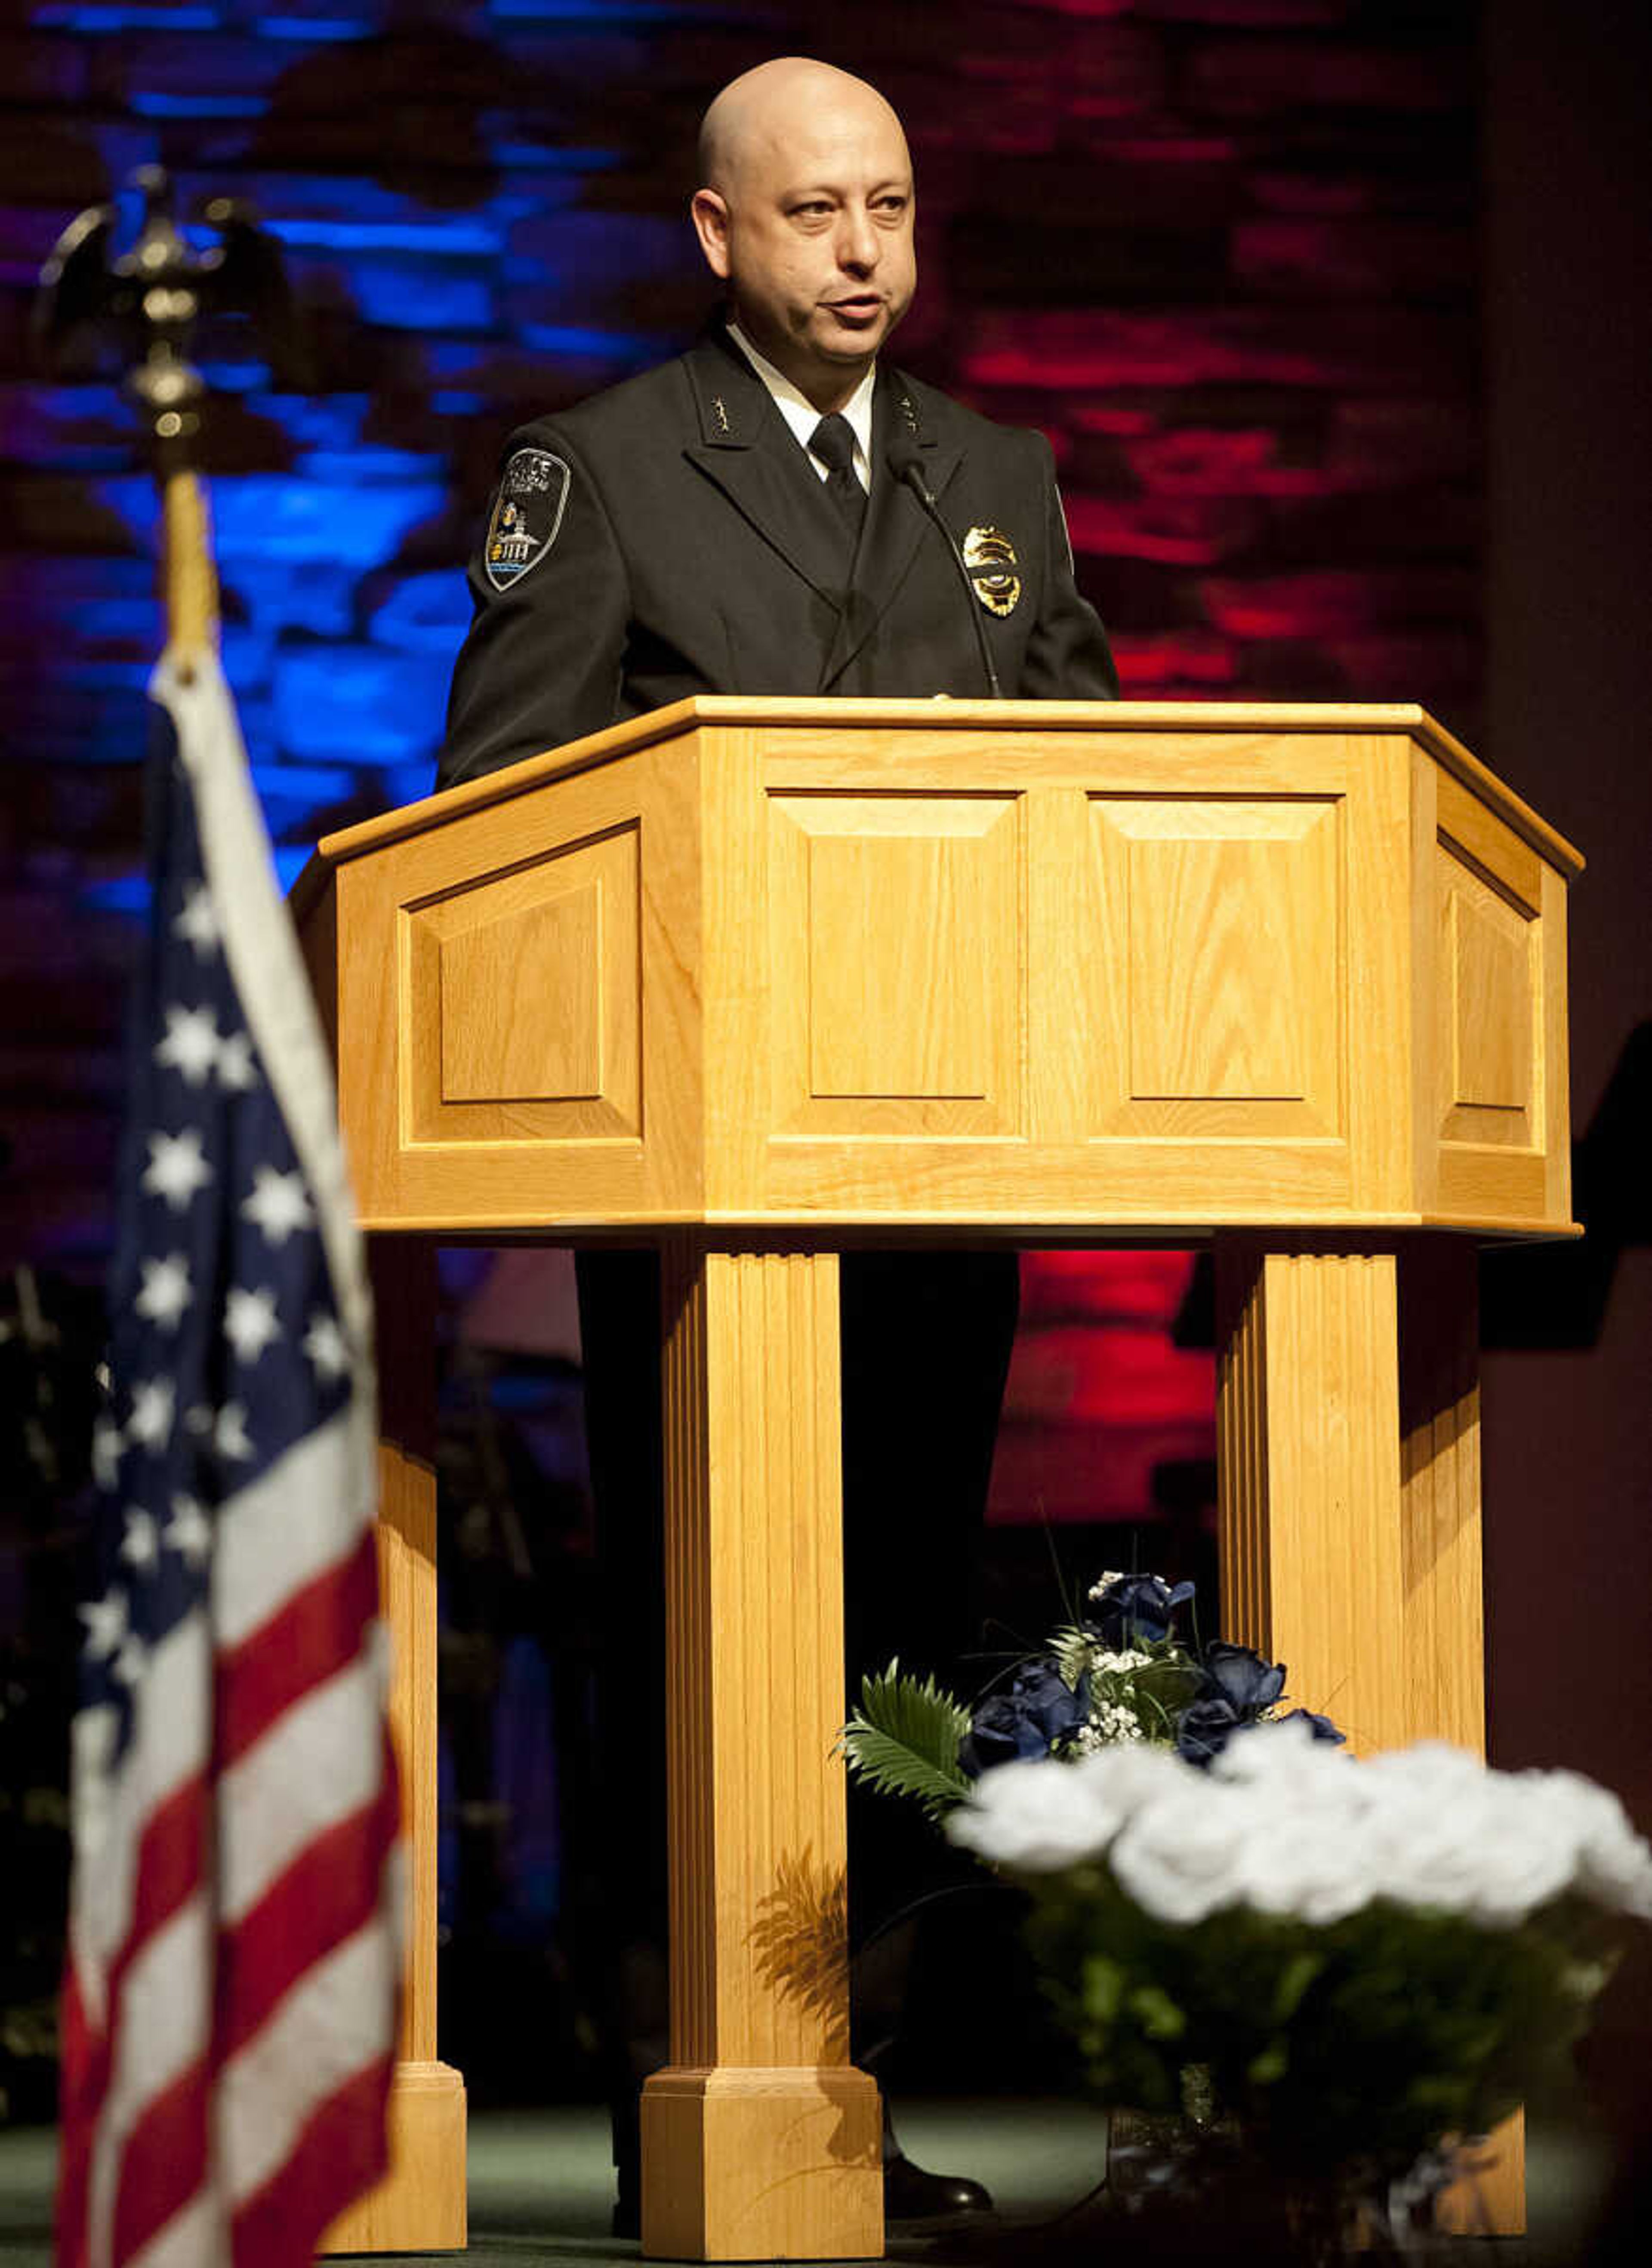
(190, 583)
(234, 1941)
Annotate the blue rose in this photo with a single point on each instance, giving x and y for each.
(1237, 1685)
(1039, 1713)
(1137, 1609)
(1239, 1677)
(1323, 1728)
(1204, 1728)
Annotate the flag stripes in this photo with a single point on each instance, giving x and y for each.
(230, 1995)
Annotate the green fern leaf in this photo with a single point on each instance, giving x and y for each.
(904, 1737)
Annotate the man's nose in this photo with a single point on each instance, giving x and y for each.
(856, 240)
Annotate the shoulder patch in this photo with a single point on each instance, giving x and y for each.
(526, 515)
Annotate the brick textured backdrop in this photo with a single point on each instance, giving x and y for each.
(1222, 251)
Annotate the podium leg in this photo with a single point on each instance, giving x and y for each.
(1349, 1511)
(420, 2206)
(760, 2139)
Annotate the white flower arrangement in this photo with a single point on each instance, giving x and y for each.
(1290, 1826)
(1357, 1961)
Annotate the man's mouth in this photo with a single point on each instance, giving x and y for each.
(859, 307)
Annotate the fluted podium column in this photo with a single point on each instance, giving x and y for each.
(760, 2139)
(1349, 1512)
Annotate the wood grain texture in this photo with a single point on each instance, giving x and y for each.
(1440, 1480)
(1307, 1400)
(759, 2140)
(420, 2205)
(1403, 719)
(1349, 1517)
(1052, 964)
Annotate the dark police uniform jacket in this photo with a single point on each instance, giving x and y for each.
(670, 537)
(682, 542)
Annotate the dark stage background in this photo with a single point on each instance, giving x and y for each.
(1336, 313)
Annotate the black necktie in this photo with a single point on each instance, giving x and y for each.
(833, 442)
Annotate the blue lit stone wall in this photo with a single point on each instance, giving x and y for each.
(1221, 250)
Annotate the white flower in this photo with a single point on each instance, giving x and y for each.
(1610, 1863)
(1286, 1751)
(1181, 1856)
(1446, 1833)
(1039, 1816)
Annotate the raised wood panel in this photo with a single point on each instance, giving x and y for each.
(897, 982)
(521, 1006)
(624, 840)
(1230, 968)
(1488, 1005)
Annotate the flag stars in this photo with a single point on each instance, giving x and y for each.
(188, 1532)
(198, 924)
(129, 1663)
(176, 1169)
(223, 1430)
(237, 1073)
(165, 1293)
(150, 1424)
(105, 1624)
(324, 1344)
(191, 1044)
(230, 1436)
(278, 1204)
(249, 1322)
(140, 1546)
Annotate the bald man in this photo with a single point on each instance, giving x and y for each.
(729, 523)
(744, 520)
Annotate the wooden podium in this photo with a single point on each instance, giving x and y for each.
(755, 980)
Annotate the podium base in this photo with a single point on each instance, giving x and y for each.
(420, 2206)
(762, 2164)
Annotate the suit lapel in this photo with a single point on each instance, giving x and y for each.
(746, 450)
(896, 523)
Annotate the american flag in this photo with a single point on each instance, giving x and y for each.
(230, 1989)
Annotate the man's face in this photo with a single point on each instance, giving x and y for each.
(814, 235)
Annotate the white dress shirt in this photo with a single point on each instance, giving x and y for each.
(801, 416)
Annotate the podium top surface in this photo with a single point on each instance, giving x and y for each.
(1403, 718)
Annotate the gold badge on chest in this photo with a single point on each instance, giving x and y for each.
(989, 557)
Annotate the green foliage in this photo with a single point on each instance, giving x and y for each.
(905, 1738)
(1364, 2040)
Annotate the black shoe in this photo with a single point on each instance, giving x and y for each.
(930, 2205)
(627, 2218)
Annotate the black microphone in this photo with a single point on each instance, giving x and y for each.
(905, 460)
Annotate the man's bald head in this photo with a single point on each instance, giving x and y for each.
(766, 105)
(805, 212)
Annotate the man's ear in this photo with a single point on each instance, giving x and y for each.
(710, 225)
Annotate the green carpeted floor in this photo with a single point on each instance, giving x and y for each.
(540, 2188)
